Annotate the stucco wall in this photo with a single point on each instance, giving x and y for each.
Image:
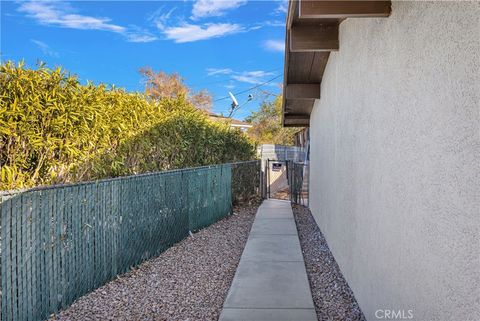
(395, 160)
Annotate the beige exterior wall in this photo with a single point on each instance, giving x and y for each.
(395, 160)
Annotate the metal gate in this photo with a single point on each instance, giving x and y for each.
(277, 179)
(298, 178)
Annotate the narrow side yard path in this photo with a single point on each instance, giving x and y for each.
(189, 281)
(334, 300)
(271, 283)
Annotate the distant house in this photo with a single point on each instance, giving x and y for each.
(390, 92)
(234, 123)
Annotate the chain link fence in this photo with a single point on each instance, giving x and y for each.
(61, 242)
(245, 181)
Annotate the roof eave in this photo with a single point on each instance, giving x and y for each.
(312, 29)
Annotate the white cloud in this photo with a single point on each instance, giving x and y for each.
(219, 71)
(248, 80)
(181, 30)
(160, 18)
(267, 23)
(138, 37)
(274, 45)
(213, 8)
(252, 77)
(60, 14)
(190, 32)
(136, 34)
(44, 48)
(55, 13)
(258, 73)
(273, 23)
(282, 7)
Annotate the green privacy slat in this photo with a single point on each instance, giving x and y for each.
(75, 234)
(30, 262)
(17, 253)
(66, 244)
(61, 242)
(21, 266)
(36, 209)
(12, 247)
(53, 251)
(6, 234)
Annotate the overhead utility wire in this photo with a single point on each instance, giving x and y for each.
(249, 89)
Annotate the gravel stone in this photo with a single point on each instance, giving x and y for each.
(189, 281)
(333, 298)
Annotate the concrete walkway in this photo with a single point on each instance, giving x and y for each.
(271, 283)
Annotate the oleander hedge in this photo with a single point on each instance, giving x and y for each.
(55, 130)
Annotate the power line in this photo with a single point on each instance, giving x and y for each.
(249, 89)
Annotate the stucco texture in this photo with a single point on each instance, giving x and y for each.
(395, 160)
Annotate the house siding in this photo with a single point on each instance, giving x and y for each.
(395, 160)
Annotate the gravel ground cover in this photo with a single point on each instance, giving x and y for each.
(189, 281)
(333, 298)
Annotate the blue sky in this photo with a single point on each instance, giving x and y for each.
(216, 45)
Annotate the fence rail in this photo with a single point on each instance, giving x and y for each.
(61, 242)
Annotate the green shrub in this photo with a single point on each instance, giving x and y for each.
(55, 130)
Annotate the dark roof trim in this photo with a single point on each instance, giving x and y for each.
(311, 34)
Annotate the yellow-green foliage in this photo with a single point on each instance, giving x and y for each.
(267, 125)
(55, 130)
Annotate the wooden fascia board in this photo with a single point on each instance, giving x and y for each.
(318, 9)
(285, 74)
(302, 91)
(290, 13)
(297, 122)
(314, 38)
(297, 117)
